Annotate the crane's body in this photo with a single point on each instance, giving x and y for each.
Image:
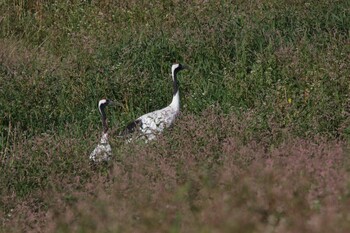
(103, 150)
(150, 124)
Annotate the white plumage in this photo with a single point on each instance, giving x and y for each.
(103, 150)
(149, 125)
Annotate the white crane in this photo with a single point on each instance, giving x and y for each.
(149, 125)
(103, 150)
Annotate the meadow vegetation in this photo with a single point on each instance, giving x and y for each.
(261, 145)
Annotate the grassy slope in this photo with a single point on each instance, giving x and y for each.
(276, 70)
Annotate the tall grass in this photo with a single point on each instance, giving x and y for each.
(285, 61)
(265, 106)
(193, 179)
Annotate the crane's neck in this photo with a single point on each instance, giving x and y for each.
(175, 103)
(104, 119)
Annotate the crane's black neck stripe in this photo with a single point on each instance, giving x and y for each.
(104, 122)
(103, 118)
(175, 84)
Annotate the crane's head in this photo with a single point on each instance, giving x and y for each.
(177, 67)
(103, 103)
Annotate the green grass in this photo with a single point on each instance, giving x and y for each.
(61, 58)
(278, 68)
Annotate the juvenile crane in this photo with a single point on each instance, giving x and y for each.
(149, 125)
(103, 150)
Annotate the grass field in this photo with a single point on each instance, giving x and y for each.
(261, 145)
